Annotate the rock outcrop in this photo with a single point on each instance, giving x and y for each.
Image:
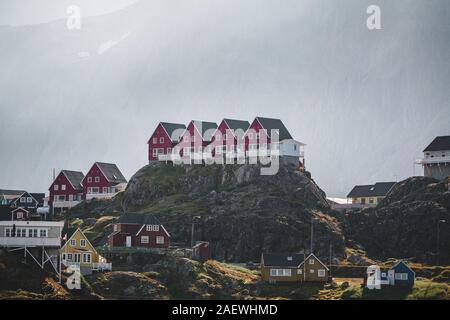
(405, 223)
(241, 212)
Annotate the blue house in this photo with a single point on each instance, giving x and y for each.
(398, 275)
(401, 275)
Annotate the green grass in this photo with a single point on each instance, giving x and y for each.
(423, 290)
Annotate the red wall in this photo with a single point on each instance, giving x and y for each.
(256, 126)
(158, 133)
(60, 180)
(152, 238)
(119, 240)
(95, 172)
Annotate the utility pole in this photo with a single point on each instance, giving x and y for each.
(193, 229)
(438, 240)
(311, 247)
(330, 257)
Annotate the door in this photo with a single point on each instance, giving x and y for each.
(77, 257)
(128, 241)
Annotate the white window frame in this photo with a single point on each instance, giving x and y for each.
(145, 240)
(159, 240)
(63, 187)
(23, 200)
(56, 187)
(19, 215)
(89, 179)
(155, 140)
(280, 272)
(155, 227)
(97, 179)
(73, 242)
(87, 258)
(311, 261)
(29, 200)
(161, 140)
(321, 273)
(83, 243)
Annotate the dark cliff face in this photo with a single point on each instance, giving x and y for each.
(405, 223)
(239, 211)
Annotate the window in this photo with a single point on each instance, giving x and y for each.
(35, 233)
(73, 242)
(86, 257)
(116, 228)
(299, 271)
(77, 257)
(149, 227)
(23, 200)
(56, 187)
(64, 256)
(311, 261)
(144, 239)
(89, 179)
(63, 187)
(401, 276)
(105, 189)
(155, 152)
(311, 271)
(69, 256)
(7, 232)
(30, 233)
(95, 190)
(97, 179)
(19, 215)
(371, 200)
(289, 258)
(159, 240)
(169, 150)
(218, 137)
(155, 228)
(280, 272)
(82, 243)
(321, 273)
(161, 140)
(43, 233)
(29, 200)
(155, 140)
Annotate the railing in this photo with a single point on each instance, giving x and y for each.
(433, 160)
(96, 266)
(102, 266)
(29, 242)
(91, 196)
(65, 204)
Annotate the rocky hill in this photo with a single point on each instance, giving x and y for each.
(405, 223)
(241, 212)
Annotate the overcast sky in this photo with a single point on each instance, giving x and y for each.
(366, 102)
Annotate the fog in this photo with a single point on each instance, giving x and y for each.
(366, 102)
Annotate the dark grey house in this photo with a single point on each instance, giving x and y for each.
(436, 158)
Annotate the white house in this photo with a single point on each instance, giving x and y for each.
(436, 158)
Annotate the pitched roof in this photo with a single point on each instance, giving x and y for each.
(439, 144)
(74, 177)
(11, 194)
(111, 172)
(39, 197)
(379, 189)
(170, 129)
(275, 124)
(138, 218)
(237, 124)
(203, 126)
(282, 259)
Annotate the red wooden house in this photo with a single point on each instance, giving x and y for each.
(139, 230)
(165, 137)
(103, 180)
(227, 136)
(196, 137)
(201, 250)
(66, 190)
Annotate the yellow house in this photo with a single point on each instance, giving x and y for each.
(78, 251)
(370, 195)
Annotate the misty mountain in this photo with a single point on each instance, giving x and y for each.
(365, 102)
